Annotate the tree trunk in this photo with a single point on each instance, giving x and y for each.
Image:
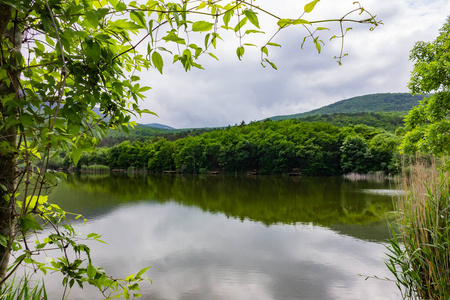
(7, 187)
(8, 165)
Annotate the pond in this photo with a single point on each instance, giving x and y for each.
(236, 237)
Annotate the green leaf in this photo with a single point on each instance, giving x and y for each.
(273, 44)
(164, 49)
(271, 63)
(126, 25)
(94, 51)
(76, 155)
(284, 22)
(92, 235)
(113, 2)
(252, 17)
(227, 17)
(172, 37)
(139, 274)
(144, 89)
(27, 222)
(92, 17)
(207, 40)
(300, 21)
(130, 277)
(4, 241)
(187, 53)
(265, 50)
(240, 52)
(125, 128)
(146, 111)
(36, 153)
(49, 41)
(198, 52)
(215, 36)
(40, 46)
(318, 47)
(310, 6)
(121, 6)
(322, 28)
(3, 76)
(193, 46)
(227, 27)
(16, 246)
(202, 26)
(253, 31)
(240, 24)
(201, 5)
(91, 271)
(126, 294)
(41, 246)
(213, 56)
(138, 18)
(31, 201)
(157, 61)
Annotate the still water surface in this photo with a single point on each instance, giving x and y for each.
(227, 237)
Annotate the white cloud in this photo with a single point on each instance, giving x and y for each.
(230, 91)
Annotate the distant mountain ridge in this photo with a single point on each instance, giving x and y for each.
(384, 102)
(157, 125)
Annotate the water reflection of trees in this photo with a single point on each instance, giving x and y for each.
(265, 199)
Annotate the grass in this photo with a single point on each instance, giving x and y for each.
(419, 252)
(22, 290)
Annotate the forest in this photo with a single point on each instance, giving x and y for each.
(267, 147)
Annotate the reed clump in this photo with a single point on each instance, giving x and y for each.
(95, 168)
(419, 252)
(373, 176)
(23, 289)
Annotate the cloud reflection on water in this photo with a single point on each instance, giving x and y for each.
(197, 255)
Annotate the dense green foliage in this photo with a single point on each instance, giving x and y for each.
(387, 102)
(264, 147)
(389, 121)
(429, 123)
(143, 133)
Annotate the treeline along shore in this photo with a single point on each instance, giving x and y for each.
(267, 147)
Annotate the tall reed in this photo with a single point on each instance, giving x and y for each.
(419, 252)
(23, 289)
(95, 168)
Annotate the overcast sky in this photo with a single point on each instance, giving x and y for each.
(229, 91)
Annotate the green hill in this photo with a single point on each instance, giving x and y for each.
(387, 102)
(389, 121)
